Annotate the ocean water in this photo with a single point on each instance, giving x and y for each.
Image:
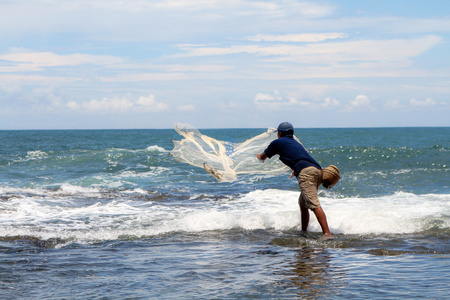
(109, 214)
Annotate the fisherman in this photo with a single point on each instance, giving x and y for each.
(307, 171)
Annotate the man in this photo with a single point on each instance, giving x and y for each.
(307, 171)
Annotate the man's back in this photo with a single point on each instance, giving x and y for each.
(292, 153)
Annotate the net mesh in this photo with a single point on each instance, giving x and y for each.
(222, 159)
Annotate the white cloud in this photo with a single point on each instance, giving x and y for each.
(267, 102)
(168, 73)
(303, 8)
(114, 104)
(319, 105)
(329, 103)
(150, 104)
(393, 105)
(368, 50)
(360, 103)
(133, 20)
(303, 37)
(198, 68)
(72, 105)
(34, 99)
(35, 61)
(120, 105)
(137, 77)
(223, 8)
(423, 103)
(36, 79)
(262, 98)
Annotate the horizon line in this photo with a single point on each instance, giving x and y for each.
(225, 128)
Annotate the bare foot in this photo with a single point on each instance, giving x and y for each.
(328, 236)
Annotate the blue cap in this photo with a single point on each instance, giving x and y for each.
(285, 126)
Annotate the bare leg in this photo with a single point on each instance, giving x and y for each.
(320, 215)
(305, 218)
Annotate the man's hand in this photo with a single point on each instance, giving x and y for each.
(292, 174)
(262, 157)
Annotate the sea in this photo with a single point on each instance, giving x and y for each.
(110, 214)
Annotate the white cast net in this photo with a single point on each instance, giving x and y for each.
(222, 159)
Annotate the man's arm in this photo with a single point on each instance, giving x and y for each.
(262, 157)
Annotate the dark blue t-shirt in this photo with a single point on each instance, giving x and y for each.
(292, 154)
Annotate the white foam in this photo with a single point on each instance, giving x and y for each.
(31, 155)
(156, 148)
(68, 189)
(397, 213)
(153, 171)
(58, 214)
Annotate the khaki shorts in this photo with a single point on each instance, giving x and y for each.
(309, 181)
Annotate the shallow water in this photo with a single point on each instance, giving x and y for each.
(236, 264)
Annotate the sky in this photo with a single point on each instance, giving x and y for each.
(115, 64)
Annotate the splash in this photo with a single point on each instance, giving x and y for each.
(224, 160)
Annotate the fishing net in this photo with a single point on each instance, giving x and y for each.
(223, 159)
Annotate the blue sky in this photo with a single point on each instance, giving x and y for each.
(99, 64)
